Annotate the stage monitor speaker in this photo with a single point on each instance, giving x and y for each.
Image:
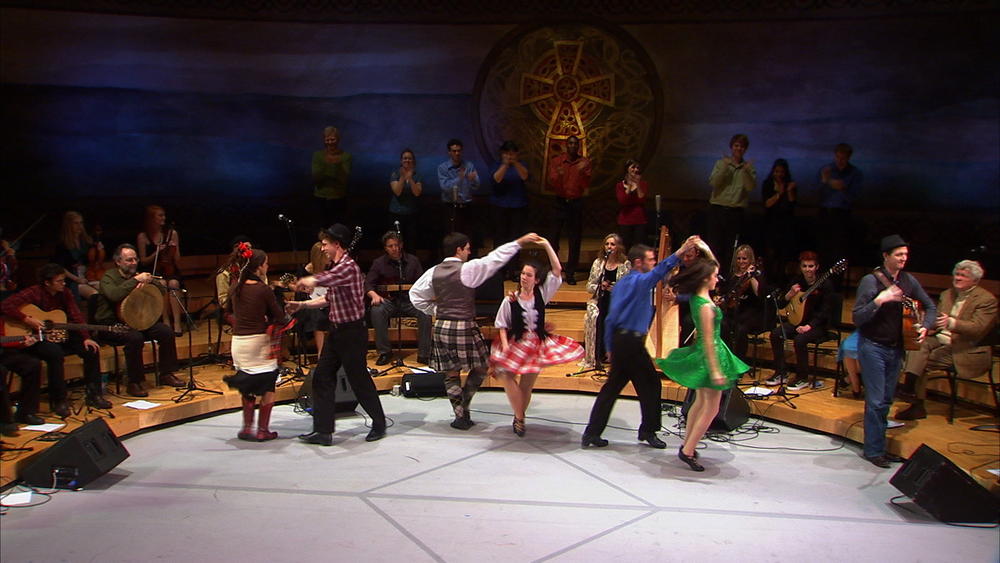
(424, 385)
(346, 400)
(734, 411)
(941, 488)
(73, 462)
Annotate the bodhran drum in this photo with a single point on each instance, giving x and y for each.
(141, 308)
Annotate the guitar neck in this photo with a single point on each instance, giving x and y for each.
(11, 339)
(77, 326)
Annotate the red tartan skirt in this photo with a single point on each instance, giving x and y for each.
(530, 354)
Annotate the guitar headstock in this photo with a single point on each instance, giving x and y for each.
(839, 267)
(119, 328)
(354, 241)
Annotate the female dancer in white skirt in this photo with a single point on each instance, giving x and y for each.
(256, 311)
(525, 345)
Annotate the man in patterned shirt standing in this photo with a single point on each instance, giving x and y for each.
(347, 341)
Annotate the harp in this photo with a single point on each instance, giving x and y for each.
(665, 330)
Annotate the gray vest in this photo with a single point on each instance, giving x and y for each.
(455, 302)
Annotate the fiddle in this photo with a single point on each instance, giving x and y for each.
(740, 285)
(166, 254)
(96, 255)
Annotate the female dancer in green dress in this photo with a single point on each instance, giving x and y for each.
(707, 365)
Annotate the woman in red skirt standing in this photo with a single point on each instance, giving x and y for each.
(525, 344)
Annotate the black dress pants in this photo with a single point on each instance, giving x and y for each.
(629, 362)
(133, 341)
(345, 345)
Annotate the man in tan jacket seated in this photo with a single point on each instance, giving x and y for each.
(966, 315)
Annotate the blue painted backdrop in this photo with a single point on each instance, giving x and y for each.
(137, 109)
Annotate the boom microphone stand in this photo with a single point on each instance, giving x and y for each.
(397, 361)
(191, 385)
(782, 393)
(598, 364)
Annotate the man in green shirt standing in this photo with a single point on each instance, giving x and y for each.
(732, 180)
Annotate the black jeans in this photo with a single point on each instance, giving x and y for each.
(30, 370)
(345, 347)
(801, 344)
(133, 341)
(52, 354)
(400, 306)
(629, 362)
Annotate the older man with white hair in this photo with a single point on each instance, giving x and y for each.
(966, 314)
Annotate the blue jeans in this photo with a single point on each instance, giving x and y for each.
(880, 367)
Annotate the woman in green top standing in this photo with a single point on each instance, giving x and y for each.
(707, 365)
(331, 168)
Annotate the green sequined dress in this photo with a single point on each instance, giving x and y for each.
(687, 365)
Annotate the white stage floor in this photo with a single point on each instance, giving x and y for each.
(193, 492)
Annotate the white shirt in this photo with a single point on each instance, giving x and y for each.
(548, 289)
(474, 273)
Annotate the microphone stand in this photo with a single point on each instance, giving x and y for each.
(782, 393)
(191, 384)
(598, 364)
(397, 361)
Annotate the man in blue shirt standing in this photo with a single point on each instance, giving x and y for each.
(839, 186)
(625, 337)
(458, 179)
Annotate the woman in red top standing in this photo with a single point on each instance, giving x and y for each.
(631, 192)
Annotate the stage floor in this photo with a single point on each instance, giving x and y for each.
(193, 492)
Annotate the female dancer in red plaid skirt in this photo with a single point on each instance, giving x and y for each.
(525, 344)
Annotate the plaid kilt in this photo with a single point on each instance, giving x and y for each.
(458, 346)
(530, 354)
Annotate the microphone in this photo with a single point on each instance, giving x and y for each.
(657, 204)
(284, 218)
(397, 226)
(978, 249)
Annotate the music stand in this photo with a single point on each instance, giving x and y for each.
(191, 384)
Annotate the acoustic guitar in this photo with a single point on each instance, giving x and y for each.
(795, 311)
(913, 314)
(55, 327)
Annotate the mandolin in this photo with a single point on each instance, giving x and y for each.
(795, 311)
(56, 327)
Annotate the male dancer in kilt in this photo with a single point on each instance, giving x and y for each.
(448, 293)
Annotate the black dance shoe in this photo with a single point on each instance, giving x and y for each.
(375, 435)
(692, 461)
(652, 439)
(590, 440)
(318, 438)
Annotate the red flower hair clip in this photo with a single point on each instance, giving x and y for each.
(244, 250)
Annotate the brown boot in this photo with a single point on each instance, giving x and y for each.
(247, 433)
(913, 412)
(263, 433)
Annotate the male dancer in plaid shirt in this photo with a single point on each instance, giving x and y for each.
(448, 292)
(347, 341)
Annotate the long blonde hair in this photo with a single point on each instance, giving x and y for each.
(66, 236)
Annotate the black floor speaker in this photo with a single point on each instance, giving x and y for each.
(734, 411)
(73, 462)
(423, 385)
(942, 489)
(346, 400)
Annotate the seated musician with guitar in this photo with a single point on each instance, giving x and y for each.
(807, 311)
(116, 285)
(387, 284)
(50, 300)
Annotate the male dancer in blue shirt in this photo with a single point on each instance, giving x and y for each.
(625, 337)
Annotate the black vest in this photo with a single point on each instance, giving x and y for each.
(517, 328)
